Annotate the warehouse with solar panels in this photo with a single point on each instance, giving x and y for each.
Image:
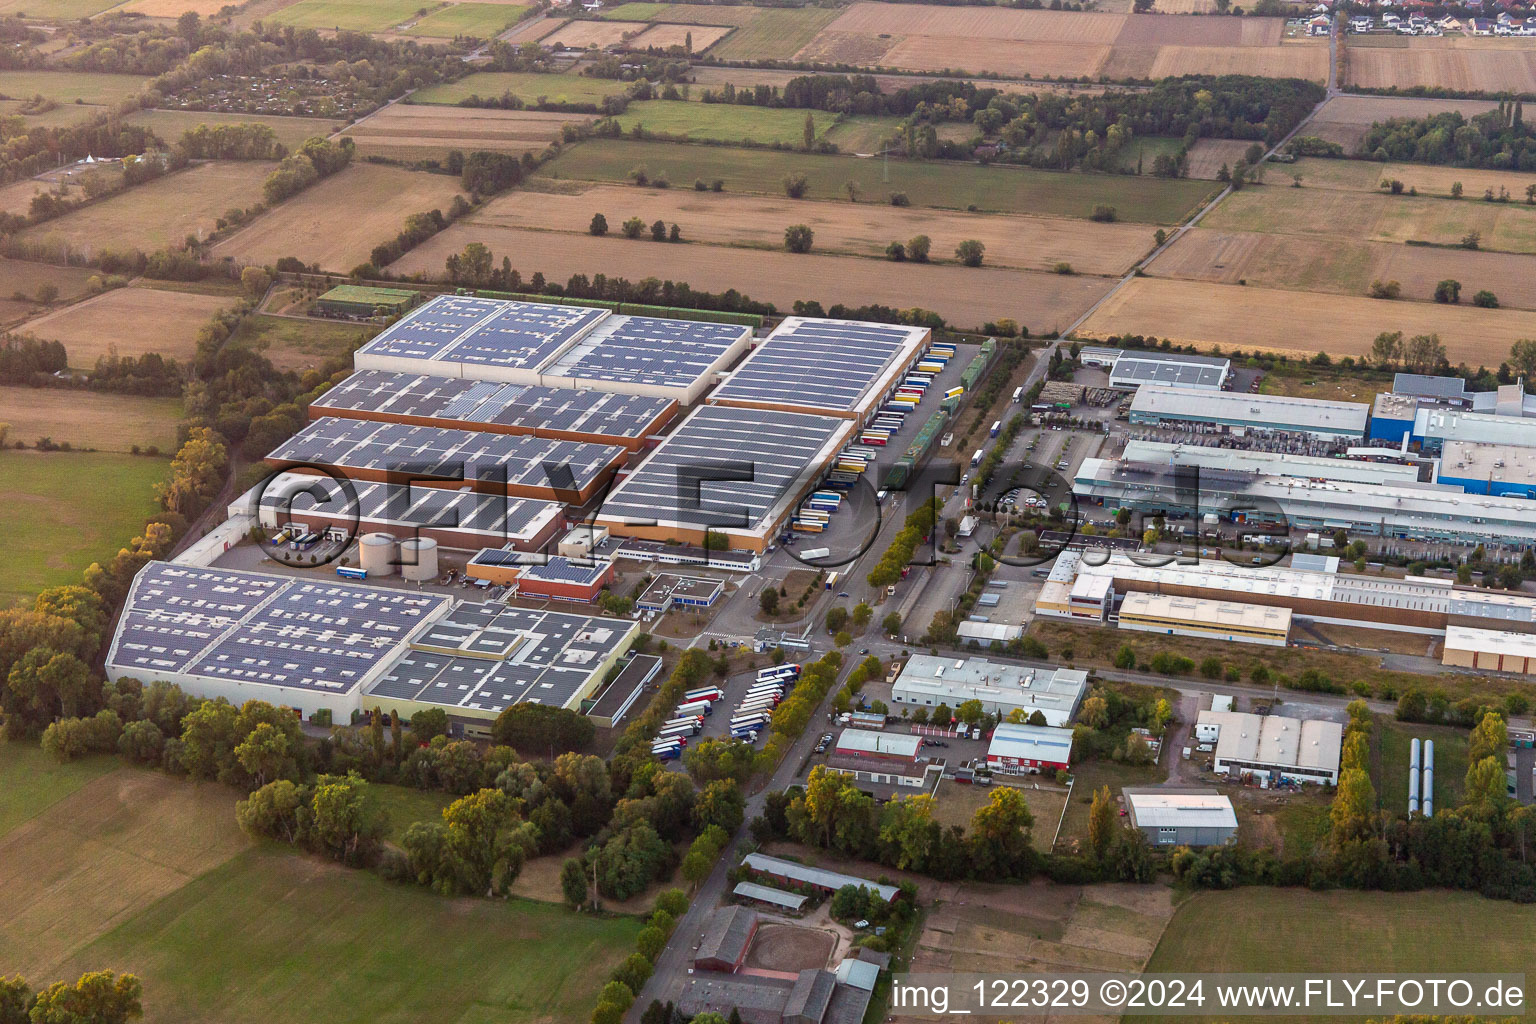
(516, 465)
(564, 414)
(557, 345)
(842, 368)
(735, 471)
(462, 519)
(338, 648)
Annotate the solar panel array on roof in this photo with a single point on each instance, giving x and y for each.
(819, 364)
(254, 627)
(370, 504)
(649, 350)
(488, 657)
(487, 332)
(1179, 370)
(489, 405)
(560, 569)
(681, 481)
(363, 445)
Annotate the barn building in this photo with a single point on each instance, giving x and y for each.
(727, 937)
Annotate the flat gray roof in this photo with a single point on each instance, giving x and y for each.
(1274, 412)
(1422, 385)
(254, 627)
(1171, 368)
(1478, 427)
(827, 365)
(488, 404)
(820, 877)
(768, 894)
(680, 482)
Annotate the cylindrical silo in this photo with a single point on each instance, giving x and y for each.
(418, 559)
(1413, 753)
(1427, 790)
(376, 554)
(1429, 755)
(1413, 788)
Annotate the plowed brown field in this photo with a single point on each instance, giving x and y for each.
(1462, 69)
(423, 130)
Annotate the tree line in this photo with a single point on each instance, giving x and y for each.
(1499, 139)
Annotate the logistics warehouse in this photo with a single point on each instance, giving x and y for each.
(338, 648)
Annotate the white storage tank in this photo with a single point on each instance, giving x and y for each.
(418, 559)
(376, 554)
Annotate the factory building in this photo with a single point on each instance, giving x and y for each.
(1494, 650)
(554, 345)
(1498, 470)
(1415, 604)
(561, 579)
(1226, 412)
(563, 414)
(1229, 621)
(899, 747)
(462, 520)
(1434, 428)
(1134, 370)
(1180, 816)
(1029, 749)
(926, 681)
(1264, 749)
(668, 591)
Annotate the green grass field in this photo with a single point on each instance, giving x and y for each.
(271, 937)
(721, 122)
(31, 781)
(934, 184)
(775, 34)
(171, 125)
(65, 510)
(68, 86)
(470, 19)
(56, 10)
(862, 133)
(526, 86)
(1390, 755)
(357, 15)
(406, 806)
(294, 344)
(640, 11)
(1294, 930)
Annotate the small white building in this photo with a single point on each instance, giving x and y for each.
(1268, 748)
(1181, 817)
(927, 681)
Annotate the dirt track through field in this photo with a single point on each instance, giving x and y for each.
(963, 296)
(1036, 243)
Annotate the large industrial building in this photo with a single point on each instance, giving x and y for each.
(841, 368)
(1269, 748)
(1229, 412)
(461, 519)
(563, 414)
(1496, 650)
(927, 681)
(734, 471)
(555, 345)
(1178, 816)
(1090, 591)
(1228, 621)
(1367, 498)
(519, 466)
(340, 648)
(1134, 370)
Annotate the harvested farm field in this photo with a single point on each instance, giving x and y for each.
(1507, 227)
(961, 295)
(478, 20)
(130, 320)
(1426, 179)
(162, 212)
(26, 278)
(937, 184)
(663, 36)
(418, 132)
(1463, 69)
(107, 422)
(173, 8)
(1204, 315)
(1345, 119)
(337, 222)
(1301, 59)
(579, 35)
(721, 122)
(1207, 156)
(864, 229)
(1343, 265)
(761, 33)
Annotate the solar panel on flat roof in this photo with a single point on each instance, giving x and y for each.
(687, 479)
(475, 331)
(649, 350)
(819, 364)
(369, 504)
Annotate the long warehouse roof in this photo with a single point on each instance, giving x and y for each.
(440, 452)
(487, 657)
(1273, 411)
(368, 503)
(690, 479)
(831, 365)
(490, 405)
(1479, 427)
(1205, 613)
(464, 329)
(261, 628)
(1284, 464)
(649, 351)
(1170, 369)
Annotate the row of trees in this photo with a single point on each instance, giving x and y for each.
(317, 158)
(98, 997)
(1499, 139)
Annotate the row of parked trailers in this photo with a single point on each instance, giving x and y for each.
(750, 717)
